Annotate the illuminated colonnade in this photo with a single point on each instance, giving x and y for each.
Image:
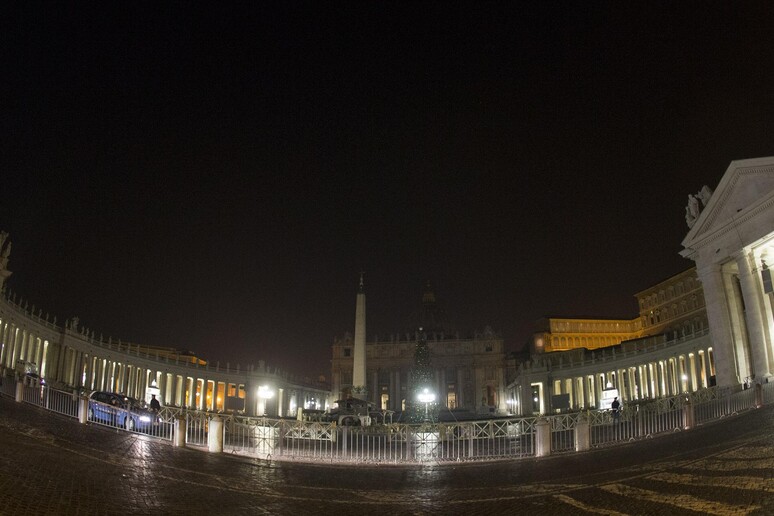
(651, 368)
(72, 359)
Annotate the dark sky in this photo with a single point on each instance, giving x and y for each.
(215, 180)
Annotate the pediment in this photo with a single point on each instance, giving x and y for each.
(744, 187)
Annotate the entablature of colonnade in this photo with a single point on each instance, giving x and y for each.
(133, 356)
(658, 349)
(27, 319)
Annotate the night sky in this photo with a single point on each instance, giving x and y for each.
(215, 180)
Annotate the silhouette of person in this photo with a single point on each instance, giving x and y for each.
(154, 404)
(616, 406)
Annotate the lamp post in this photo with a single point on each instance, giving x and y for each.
(264, 393)
(427, 398)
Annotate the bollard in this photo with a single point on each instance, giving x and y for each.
(83, 410)
(542, 438)
(582, 435)
(181, 430)
(215, 435)
(758, 395)
(19, 391)
(688, 415)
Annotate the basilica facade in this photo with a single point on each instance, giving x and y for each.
(469, 369)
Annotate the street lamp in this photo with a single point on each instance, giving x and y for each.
(427, 398)
(264, 393)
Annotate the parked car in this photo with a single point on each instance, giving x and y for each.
(123, 411)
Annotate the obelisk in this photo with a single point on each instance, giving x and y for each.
(359, 357)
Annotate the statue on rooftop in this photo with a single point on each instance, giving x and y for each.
(692, 210)
(704, 195)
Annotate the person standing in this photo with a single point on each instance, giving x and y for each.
(154, 404)
(616, 407)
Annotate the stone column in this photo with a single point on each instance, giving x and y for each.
(191, 401)
(3, 326)
(60, 363)
(124, 372)
(441, 397)
(396, 404)
(598, 389)
(376, 396)
(87, 383)
(699, 355)
(12, 344)
(143, 383)
(180, 389)
(754, 309)
(163, 388)
(460, 389)
(719, 320)
(693, 366)
(73, 378)
(251, 398)
(201, 403)
(131, 376)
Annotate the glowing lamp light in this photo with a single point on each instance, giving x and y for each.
(265, 392)
(426, 396)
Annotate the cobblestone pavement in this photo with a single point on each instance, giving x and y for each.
(53, 465)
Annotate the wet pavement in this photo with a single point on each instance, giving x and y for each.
(53, 465)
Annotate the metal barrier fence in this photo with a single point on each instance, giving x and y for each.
(563, 431)
(61, 402)
(768, 393)
(732, 403)
(388, 443)
(7, 386)
(637, 422)
(440, 442)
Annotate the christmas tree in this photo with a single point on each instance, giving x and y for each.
(422, 402)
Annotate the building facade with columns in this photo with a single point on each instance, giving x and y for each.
(71, 357)
(662, 352)
(731, 240)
